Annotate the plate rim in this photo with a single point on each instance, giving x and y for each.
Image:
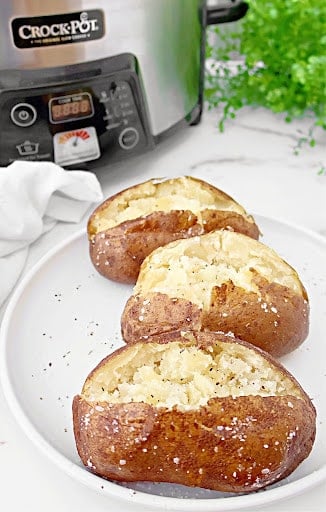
(110, 489)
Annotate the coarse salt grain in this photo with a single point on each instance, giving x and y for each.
(86, 420)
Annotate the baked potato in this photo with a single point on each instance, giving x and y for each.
(198, 409)
(220, 281)
(128, 226)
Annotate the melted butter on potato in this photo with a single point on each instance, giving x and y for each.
(184, 193)
(178, 374)
(190, 268)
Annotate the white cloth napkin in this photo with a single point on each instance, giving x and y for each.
(34, 196)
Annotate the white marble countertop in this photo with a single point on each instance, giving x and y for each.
(254, 162)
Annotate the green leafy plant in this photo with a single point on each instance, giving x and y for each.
(278, 52)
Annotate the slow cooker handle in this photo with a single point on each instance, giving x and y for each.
(225, 14)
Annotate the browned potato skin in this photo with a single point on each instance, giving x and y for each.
(160, 445)
(232, 309)
(118, 252)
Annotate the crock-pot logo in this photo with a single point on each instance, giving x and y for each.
(58, 29)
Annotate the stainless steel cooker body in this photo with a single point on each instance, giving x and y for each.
(121, 72)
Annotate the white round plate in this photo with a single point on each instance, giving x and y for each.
(64, 318)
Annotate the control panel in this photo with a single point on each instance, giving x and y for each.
(75, 123)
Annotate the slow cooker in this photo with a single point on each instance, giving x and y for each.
(89, 82)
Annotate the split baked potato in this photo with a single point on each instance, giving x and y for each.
(128, 226)
(198, 409)
(220, 281)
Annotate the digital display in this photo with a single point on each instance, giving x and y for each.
(71, 107)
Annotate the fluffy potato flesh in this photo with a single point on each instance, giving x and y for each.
(190, 268)
(179, 375)
(184, 193)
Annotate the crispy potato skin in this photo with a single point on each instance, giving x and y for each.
(118, 252)
(230, 445)
(207, 448)
(277, 321)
